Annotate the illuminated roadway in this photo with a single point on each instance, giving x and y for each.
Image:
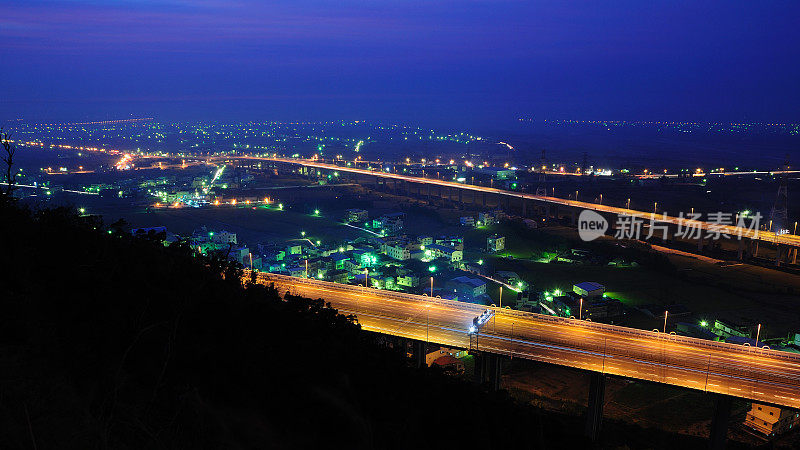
(733, 231)
(763, 375)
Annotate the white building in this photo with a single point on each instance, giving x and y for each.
(771, 420)
(495, 243)
(222, 237)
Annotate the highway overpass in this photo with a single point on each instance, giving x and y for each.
(788, 240)
(758, 374)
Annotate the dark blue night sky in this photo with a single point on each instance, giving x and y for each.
(450, 62)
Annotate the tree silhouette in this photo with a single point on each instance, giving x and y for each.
(8, 158)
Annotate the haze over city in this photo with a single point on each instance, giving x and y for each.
(474, 63)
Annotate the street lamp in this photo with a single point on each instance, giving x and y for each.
(655, 207)
(366, 277)
(758, 333)
(628, 204)
(580, 310)
(501, 297)
(665, 320)
(431, 287)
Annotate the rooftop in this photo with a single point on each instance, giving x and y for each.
(474, 282)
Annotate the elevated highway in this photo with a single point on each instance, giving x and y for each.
(789, 240)
(758, 374)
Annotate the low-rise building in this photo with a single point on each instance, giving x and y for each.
(444, 351)
(486, 218)
(356, 215)
(449, 363)
(694, 330)
(588, 289)
(728, 327)
(469, 289)
(408, 280)
(443, 251)
(508, 277)
(400, 251)
(297, 271)
(496, 173)
(391, 223)
(222, 237)
(495, 243)
(771, 420)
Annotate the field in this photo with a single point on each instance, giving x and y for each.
(707, 290)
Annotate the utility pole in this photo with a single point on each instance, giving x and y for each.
(541, 190)
(585, 164)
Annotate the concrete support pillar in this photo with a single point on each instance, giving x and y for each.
(483, 200)
(480, 369)
(493, 371)
(740, 250)
(460, 196)
(719, 424)
(419, 353)
(573, 217)
(594, 412)
(700, 242)
(755, 252)
(524, 208)
(794, 256)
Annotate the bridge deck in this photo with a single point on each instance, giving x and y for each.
(762, 375)
(733, 231)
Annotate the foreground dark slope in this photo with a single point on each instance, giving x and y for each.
(112, 342)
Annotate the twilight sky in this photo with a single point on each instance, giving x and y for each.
(454, 63)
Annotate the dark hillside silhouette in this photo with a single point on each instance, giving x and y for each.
(110, 341)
